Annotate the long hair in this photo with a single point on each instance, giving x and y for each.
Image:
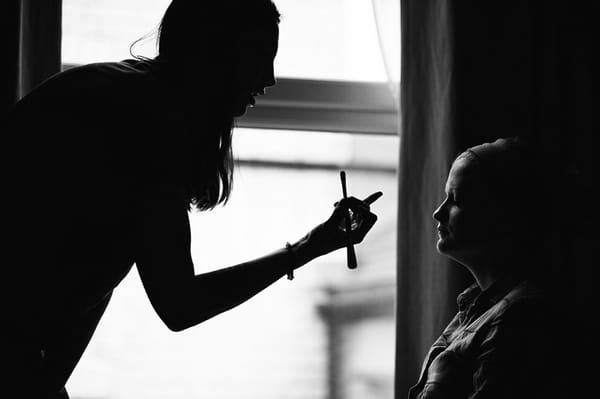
(203, 35)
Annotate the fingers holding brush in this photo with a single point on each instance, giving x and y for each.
(361, 218)
(373, 197)
(349, 223)
(365, 202)
(357, 219)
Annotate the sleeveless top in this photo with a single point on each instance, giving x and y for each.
(81, 149)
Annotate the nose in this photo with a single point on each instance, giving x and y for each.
(270, 80)
(267, 83)
(440, 213)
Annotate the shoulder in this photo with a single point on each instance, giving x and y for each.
(119, 81)
(95, 74)
(527, 304)
(126, 74)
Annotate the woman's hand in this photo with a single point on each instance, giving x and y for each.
(332, 235)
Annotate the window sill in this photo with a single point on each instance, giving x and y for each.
(325, 106)
(333, 106)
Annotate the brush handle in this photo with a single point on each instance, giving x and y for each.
(351, 255)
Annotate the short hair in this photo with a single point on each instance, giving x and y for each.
(511, 170)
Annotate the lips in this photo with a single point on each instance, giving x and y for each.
(442, 231)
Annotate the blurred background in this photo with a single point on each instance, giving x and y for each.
(330, 333)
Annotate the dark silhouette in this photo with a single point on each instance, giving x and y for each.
(104, 163)
(501, 343)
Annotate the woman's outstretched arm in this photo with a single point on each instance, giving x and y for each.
(183, 299)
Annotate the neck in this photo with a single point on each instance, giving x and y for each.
(490, 266)
(486, 277)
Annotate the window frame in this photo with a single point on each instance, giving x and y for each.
(322, 105)
(325, 105)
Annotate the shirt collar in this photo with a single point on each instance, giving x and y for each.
(473, 296)
(467, 297)
(499, 288)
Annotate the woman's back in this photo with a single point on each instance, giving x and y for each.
(82, 148)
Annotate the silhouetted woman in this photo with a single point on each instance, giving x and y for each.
(501, 342)
(107, 159)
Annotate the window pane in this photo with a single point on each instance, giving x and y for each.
(103, 30)
(317, 148)
(332, 39)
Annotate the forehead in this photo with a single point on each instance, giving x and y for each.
(264, 33)
(265, 37)
(463, 175)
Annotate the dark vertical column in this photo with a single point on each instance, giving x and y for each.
(427, 282)
(10, 27)
(40, 50)
(474, 71)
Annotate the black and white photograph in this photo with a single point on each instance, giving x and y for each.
(299, 199)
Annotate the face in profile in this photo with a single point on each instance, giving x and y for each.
(469, 217)
(254, 69)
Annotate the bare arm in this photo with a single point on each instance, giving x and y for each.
(183, 299)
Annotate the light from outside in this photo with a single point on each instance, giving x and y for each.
(319, 39)
(318, 148)
(279, 344)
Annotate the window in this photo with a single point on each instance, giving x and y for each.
(331, 77)
(342, 44)
(330, 332)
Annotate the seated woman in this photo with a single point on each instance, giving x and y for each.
(105, 162)
(499, 344)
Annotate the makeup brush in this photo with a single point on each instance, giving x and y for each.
(351, 255)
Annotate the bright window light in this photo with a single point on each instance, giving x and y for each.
(320, 148)
(103, 30)
(319, 39)
(277, 344)
(329, 39)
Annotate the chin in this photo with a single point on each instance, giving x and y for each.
(441, 245)
(239, 113)
(441, 249)
(240, 110)
(444, 246)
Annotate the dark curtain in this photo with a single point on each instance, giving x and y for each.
(427, 282)
(31, 42)
(10, 37)
(474, 71)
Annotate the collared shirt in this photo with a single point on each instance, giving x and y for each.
(498, 345)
